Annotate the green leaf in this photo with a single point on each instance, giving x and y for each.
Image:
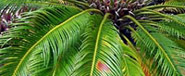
(46, 30)
(157, 46)
(130, 62)
(172, 29)
(100, 53)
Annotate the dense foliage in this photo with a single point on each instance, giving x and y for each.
(92, 38)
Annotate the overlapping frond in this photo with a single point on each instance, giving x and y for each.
(130, 62)
(172, 29)
(47, 31)
(64, 66)
(159, 48)
(173, 25)
(99, 50)
(65, 40)
(99, 53)
(16, 4)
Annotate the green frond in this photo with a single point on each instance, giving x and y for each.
(168, 8)
(173, 25)
(169, 28)
(130, 62)
(65, 65)
(66, 38)
(175, 18)
(31, 3)
(79, 63)
(100, 53)
(43, 31)
(158, 47)
(172, 29)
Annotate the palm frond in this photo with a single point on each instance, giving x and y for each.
(167, 26)
(159, 48)
(81, 63)
(171, 29)
(44, 29)
(130, 62)
(174, 18)
(16, 4)
(65, 65)
(166, 8)
(135, 54)
(99, 53)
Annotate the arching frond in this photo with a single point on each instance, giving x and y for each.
(81, 62)
(166, 25)
(172, 29)
(159, 48)
(16, 4)
(130, 62)
(43, 30)
(174, 18)
(64, 66)
(99, 53)
(66, 38)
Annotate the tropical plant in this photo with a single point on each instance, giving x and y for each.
(94, 37)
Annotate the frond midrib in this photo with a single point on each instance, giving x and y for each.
(97, 43)
(48, 33)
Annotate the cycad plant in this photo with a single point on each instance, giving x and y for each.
(94, 38)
